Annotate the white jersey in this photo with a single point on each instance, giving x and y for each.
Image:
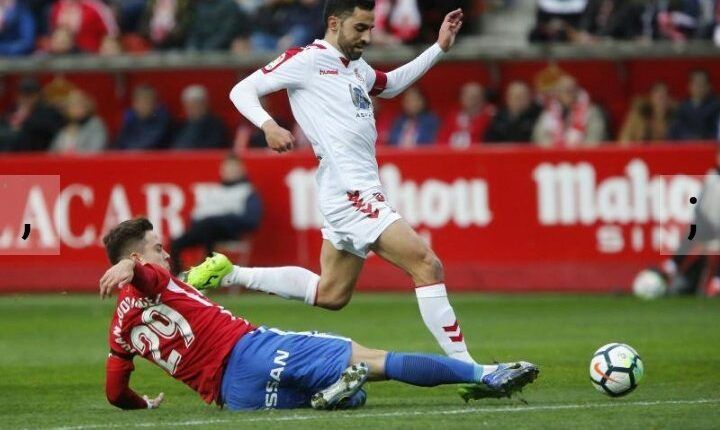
(330, 99)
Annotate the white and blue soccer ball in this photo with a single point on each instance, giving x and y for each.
(649, 284)
(616, 369)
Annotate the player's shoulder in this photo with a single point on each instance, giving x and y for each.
(295, 54)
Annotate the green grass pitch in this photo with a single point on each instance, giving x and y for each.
(53, 350)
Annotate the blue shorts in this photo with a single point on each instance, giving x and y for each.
(273, 369)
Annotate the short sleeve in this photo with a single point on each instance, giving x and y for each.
(288, 71)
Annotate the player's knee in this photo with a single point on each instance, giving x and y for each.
(430, 268)
(333, 299)
(336, 303)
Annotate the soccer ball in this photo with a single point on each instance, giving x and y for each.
(649, 284)
(616, 369)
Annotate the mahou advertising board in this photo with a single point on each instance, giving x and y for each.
(501, 218)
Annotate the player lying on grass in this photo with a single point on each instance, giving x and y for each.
(231, 362)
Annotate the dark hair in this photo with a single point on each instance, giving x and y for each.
(124, 237)
(341, 8)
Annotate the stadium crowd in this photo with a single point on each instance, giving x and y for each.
(555, 111)
(587, 21)
(110, 27)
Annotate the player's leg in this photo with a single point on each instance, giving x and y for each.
(400, 245)
(427, 370)
(331, 290)
(339, 271)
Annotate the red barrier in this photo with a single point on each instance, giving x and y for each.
(511, 219)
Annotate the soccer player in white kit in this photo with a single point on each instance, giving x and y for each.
(329, 86)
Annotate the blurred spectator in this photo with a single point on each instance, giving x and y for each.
(416, 125)
(515, 122)
(616, 19)
(110, 47)
(128, 13)
(202, 129)
(57, 91)
(570, 119)
(17, 29)
(165, 23)
(697, 117)
(396, 22)
(215, 23)
(281, 24)
(87, 21)
(32, 124)
(40, 10)
(146, 125)
(557, 20)
(678, 20)
(467, 124)
(713, 27)
(649, 118)
(225, 211)
(62, 42)
(85, 131)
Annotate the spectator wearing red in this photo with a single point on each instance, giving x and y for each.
(396, 22)
(89, 21)
(467, 124)
(570, 119)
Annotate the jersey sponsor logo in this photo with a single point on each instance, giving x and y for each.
(324, 72)
(271, 389)
(359, 98)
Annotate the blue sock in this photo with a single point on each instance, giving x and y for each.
(429, 370)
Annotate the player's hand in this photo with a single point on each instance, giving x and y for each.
(449, 29)
(154, 403)
(116, 276)
(278, 138)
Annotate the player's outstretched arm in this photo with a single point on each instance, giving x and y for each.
(117, 386)
(401, 78)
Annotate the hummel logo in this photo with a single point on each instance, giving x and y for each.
(329, 72)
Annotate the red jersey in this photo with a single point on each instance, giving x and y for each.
(461, 130)
(88, 20)
(176, 327)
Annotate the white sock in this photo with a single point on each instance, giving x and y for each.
(288, 282)
(440, 319)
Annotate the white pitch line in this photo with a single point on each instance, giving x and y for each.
(333, 415)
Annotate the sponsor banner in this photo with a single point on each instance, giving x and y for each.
(16, 220)
(500, 218)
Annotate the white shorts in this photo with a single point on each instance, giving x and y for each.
(354, 221)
